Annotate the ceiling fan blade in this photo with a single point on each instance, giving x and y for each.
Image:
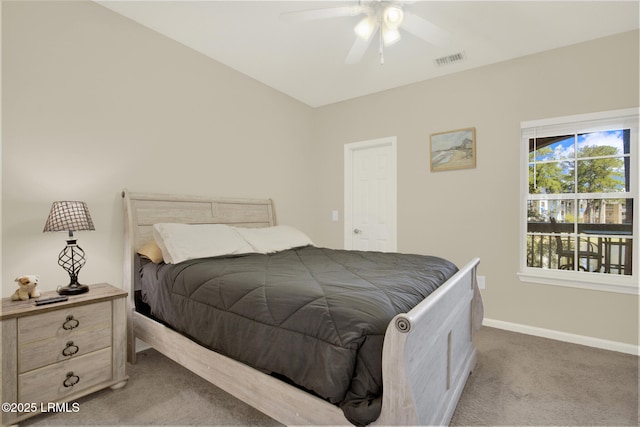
(359, 48)
(331, 12)
(424, 29)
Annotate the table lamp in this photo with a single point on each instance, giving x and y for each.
(70, 216)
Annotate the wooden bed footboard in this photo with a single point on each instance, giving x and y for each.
(428, 353)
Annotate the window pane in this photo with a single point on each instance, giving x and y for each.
(551, 178)
(606, 226)
(541, 211)
(551, 148)
(609, 143)
(559, 252)
(610, 214)
(542, 251)
(566, 252)
(617, 255)
(602, 175)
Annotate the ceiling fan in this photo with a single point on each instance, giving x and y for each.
(387, 16)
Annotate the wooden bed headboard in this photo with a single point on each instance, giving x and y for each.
(142, 210)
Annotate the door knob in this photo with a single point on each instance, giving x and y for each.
(357, 231)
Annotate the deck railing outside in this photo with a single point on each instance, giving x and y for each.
(609, 241)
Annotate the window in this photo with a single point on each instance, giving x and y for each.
(579, 201)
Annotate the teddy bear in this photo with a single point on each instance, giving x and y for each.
(27, 288)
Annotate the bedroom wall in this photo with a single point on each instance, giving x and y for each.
(94, 103)
(475, 212)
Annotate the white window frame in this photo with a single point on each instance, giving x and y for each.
(617, 119)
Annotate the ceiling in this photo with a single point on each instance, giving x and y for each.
(306, 59)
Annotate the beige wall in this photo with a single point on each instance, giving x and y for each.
(475, 212)
(93, 103)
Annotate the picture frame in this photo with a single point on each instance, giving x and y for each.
(453, 150)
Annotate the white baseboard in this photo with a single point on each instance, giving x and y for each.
(563, 336)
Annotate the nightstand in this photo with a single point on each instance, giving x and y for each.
(56, 353)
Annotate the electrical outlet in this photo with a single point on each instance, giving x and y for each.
(334, 215)
(481, 282)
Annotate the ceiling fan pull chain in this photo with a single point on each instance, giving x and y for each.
(381, 50)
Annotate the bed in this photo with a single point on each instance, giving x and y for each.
(427, 351)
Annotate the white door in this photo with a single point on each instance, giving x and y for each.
(370, 195)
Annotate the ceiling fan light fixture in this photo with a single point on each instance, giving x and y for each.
(392, 16)
(365, 28)
(390, 36)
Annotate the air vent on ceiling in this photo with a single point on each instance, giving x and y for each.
(450, 59)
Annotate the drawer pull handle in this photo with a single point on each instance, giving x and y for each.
(71, 380)
(70, 349)
(70, 323)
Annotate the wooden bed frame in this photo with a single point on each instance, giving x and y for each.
(428, 352)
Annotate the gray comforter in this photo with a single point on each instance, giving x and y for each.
(313, 316)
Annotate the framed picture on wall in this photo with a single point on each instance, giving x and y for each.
(454, 149)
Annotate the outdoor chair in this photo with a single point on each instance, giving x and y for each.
(566, 252)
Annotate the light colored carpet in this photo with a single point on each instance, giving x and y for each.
(526, 380)
(519, 380)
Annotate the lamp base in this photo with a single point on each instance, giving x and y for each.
(74, 289)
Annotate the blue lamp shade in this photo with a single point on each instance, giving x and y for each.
(70, 217)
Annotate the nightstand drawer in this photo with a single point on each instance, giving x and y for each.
(54, 382)
(64, 323)
(60, 352)
(36, 354)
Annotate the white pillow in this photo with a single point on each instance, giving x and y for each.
(273, 239)
(180, 242)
